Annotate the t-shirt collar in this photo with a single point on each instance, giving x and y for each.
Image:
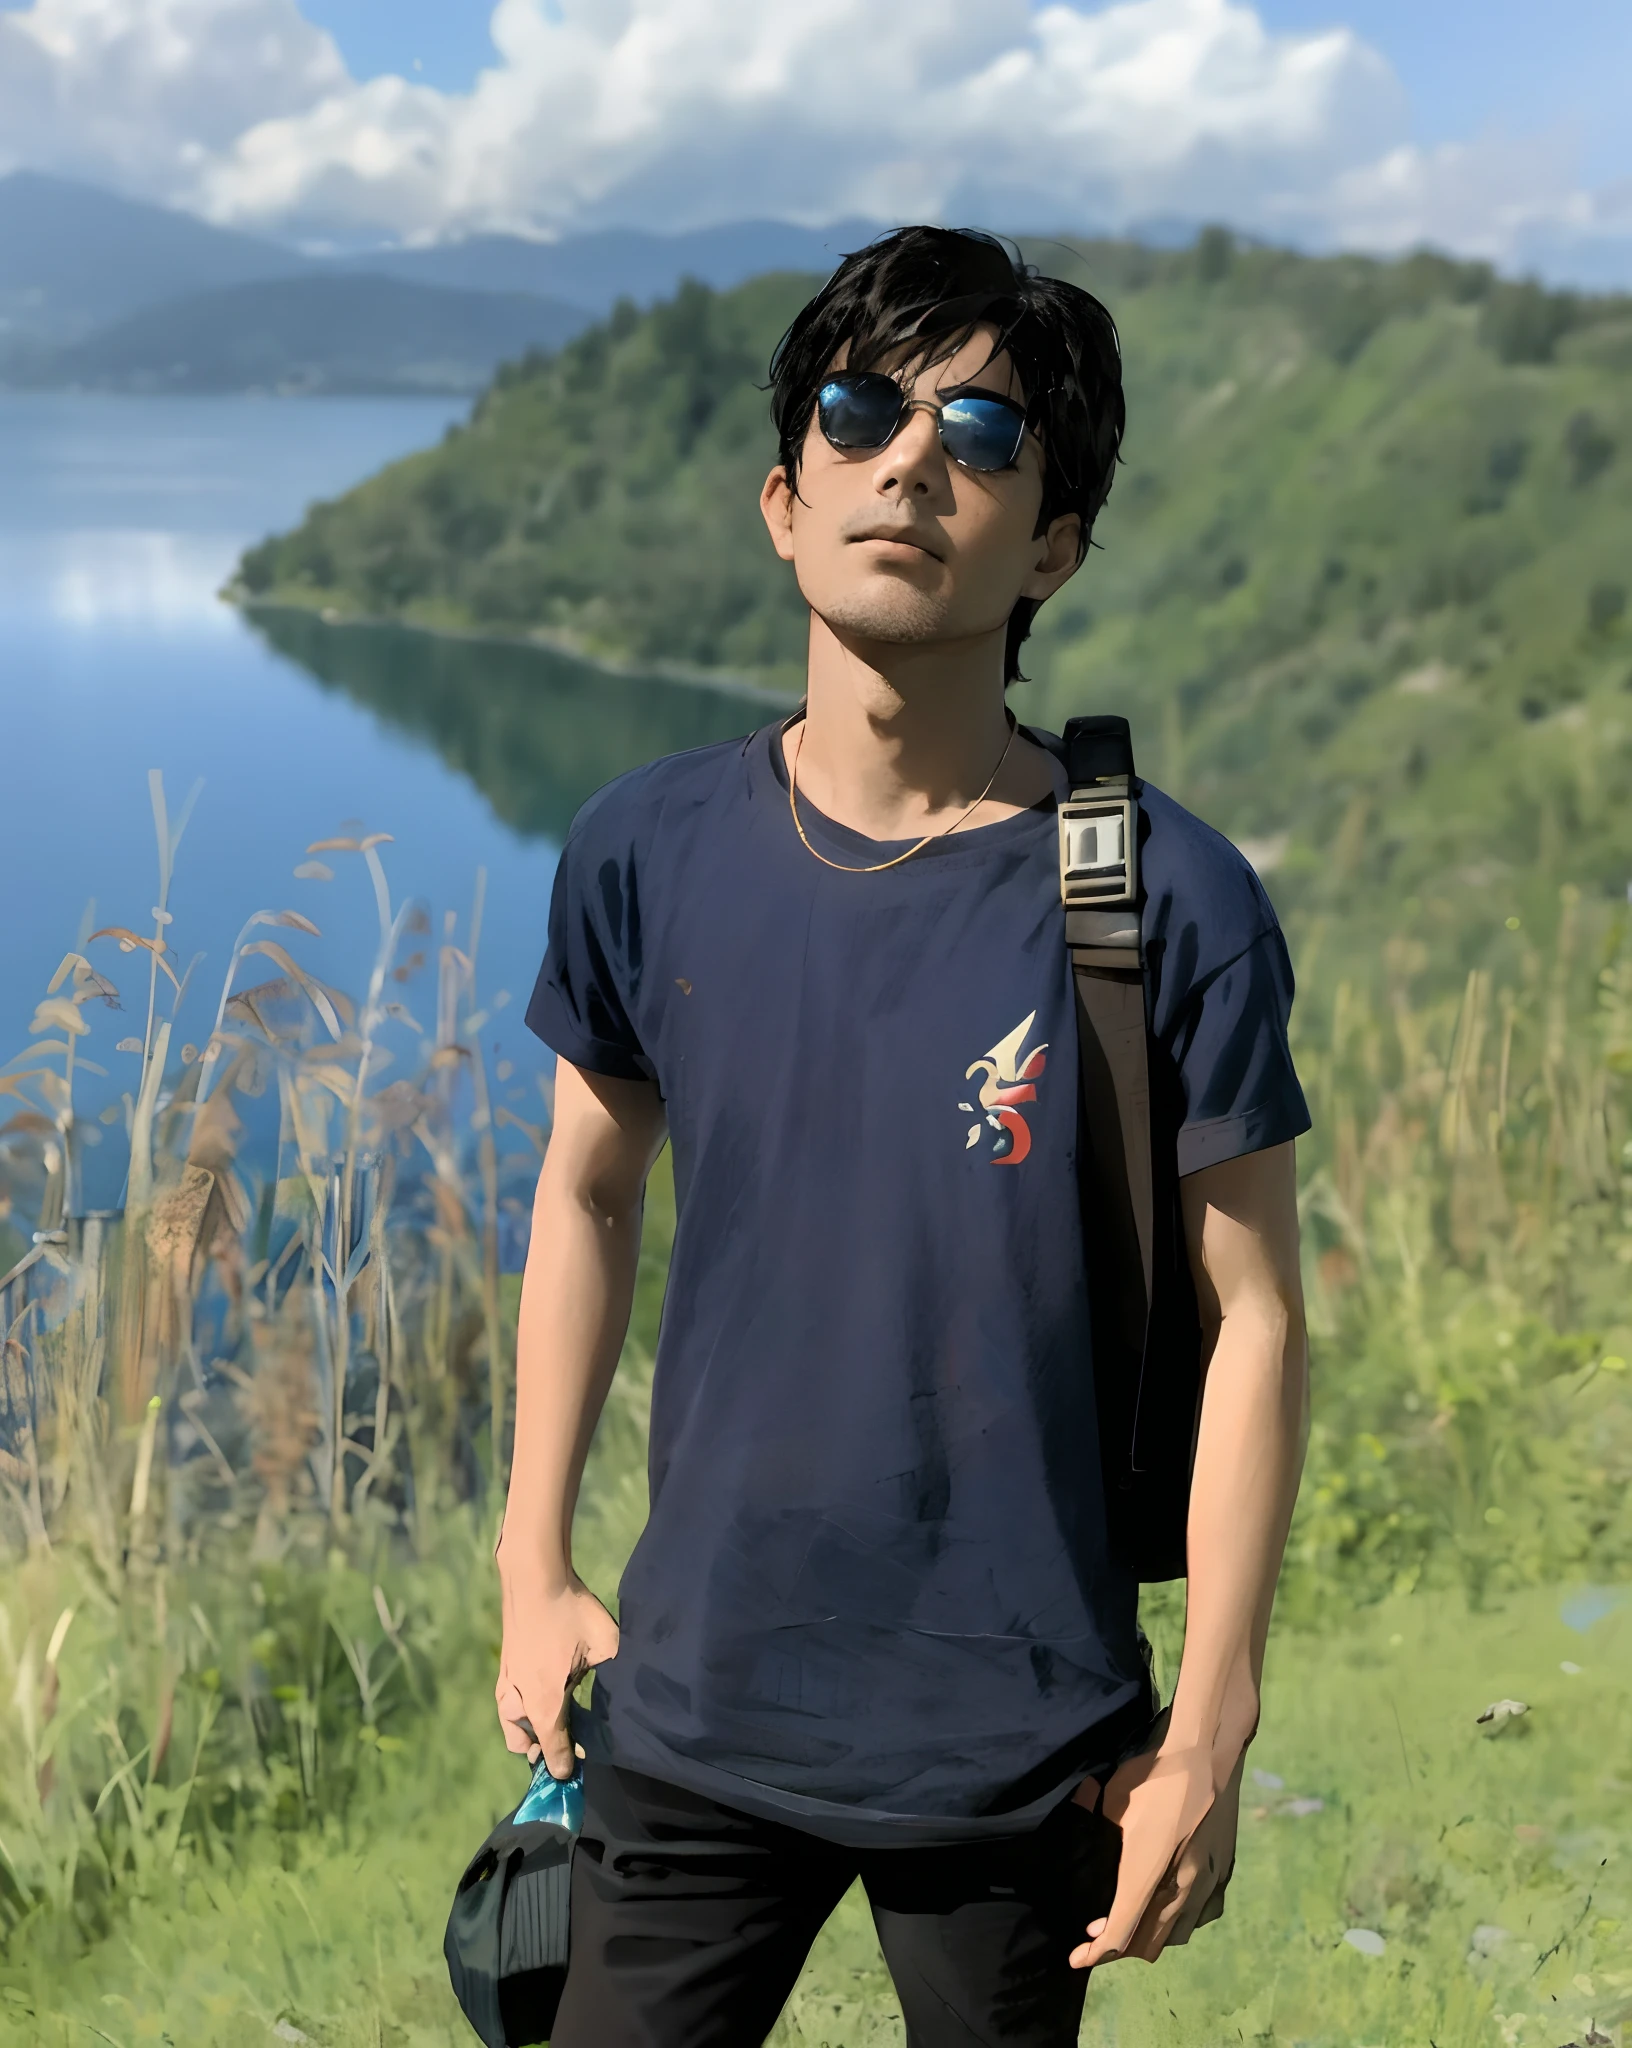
(768, 777)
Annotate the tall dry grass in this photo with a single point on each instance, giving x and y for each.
(250, 1422)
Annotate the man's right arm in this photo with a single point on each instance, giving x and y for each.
(576, 1296)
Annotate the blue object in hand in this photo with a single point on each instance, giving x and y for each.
(560, 1800)
(508, 1935)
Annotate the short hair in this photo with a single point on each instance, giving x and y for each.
(928, 289)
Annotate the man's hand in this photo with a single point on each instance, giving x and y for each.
(550, 1641)
(1177, 1804)
(575, 1297)
(1178, 1846)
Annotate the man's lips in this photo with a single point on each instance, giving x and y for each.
(897, 536)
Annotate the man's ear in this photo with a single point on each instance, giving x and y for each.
(1058, 550)
(776, 506)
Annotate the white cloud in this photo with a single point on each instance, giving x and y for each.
(1479, 196)
(147, 94)
(1512, 201)
(675, 113)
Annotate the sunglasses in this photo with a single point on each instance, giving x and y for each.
(863, 409)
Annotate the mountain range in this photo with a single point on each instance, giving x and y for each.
(102, 292)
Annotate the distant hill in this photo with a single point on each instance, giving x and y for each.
(317, 333)
(1364, 584)
(116, 294)
(596, 270)
(73, 258)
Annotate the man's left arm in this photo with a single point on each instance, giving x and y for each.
(1177, 1804)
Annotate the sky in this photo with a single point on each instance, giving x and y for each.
(1465, 64)
(1494, 127)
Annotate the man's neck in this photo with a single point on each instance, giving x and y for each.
(901, 740)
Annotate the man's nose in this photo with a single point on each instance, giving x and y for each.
(914, 463)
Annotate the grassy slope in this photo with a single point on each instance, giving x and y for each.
(1428, 1830)
(1363, 580)
(1373, 604)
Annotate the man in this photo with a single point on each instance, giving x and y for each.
(875, 1625)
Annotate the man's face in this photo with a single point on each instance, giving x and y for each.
(902, 545)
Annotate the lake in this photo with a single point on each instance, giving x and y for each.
(120, 519)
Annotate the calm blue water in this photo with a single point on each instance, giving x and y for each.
(119, 521)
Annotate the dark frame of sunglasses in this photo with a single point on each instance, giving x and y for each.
(855, 381)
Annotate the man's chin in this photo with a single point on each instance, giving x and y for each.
(891, 616)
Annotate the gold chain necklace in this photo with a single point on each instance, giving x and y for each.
(895, 860)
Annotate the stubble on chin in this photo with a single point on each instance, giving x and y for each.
(894, 614)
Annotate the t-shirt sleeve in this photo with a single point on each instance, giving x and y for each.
(580, 1002)
(1241, 1092)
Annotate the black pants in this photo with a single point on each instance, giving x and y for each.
(690, 1922)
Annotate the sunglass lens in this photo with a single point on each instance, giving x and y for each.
(981, 433)
(859, 412)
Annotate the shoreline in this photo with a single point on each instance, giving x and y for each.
(727, 682)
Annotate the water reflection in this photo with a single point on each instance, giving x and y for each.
(93, 578)
(119, 521)
(536, 732)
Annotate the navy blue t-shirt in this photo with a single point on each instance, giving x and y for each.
(875, 1590)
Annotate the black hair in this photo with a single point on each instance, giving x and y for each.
(929, 288)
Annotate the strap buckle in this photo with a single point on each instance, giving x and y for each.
(1099, 851)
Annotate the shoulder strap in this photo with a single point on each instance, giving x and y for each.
(1099, 886)
(1146, 1330)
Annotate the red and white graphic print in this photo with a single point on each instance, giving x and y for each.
(1010, 1075)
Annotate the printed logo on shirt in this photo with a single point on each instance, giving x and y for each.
(1010, 1075)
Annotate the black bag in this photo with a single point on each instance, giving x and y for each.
(1146, 1323)
(506, 1942)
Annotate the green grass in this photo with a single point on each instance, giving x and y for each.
(1431, 1828)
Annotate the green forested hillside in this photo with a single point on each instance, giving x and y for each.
(1362, 584)
(608, 495)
